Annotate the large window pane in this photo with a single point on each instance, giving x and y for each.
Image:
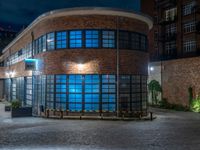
(50, 41)
(91, 39)
(75, 39)
(108, 38)
(61, 40)
(108, 93)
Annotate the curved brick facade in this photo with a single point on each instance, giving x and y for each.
(95, 61)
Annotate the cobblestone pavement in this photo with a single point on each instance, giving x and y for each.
(170, 131)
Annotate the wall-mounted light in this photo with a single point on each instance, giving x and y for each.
(151, 68)
(80, 66)
(10, 74)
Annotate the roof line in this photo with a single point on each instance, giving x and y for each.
(84, 11)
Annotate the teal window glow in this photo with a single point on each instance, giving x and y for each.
(92, 92)
(91, 39)
(75, 92)
(108, 38)
(75, 39)
(61, 40)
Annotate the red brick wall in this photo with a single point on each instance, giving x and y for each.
(96, 61)
(178, 76)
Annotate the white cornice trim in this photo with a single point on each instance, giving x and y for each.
(84, 11)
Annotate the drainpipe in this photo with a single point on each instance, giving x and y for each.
(117, 66)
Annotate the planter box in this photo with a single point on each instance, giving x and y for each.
(22, 112)
(7, 108)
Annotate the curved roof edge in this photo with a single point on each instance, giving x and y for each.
(85, 11)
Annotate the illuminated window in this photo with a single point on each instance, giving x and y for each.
(92, 39)
(50, 41)
(75, 93)
(75, 39)
(61, 40)
(92, 93)
(108, 38)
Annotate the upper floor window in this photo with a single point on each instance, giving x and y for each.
(92, 39)
(170, 46)
(40, 44)
(170, 14)
(170, 29)
(135, 41)
(123, 40)
(189, 46)
(143, 43)
(50, 41)
(75, 39)
(189, 26)
(188, 8)
(61, 40)
(108, 39)
(44, 44)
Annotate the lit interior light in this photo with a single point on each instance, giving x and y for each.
(49, 40)
(151, 68)
(10, 74)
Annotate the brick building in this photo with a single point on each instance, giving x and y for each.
(174, 52)
(82, 61)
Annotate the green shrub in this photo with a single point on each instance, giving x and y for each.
(165, 104)
(195, 105)
(16, 104)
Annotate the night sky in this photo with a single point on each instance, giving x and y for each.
(18, 13)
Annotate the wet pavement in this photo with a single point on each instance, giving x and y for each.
(170, 131)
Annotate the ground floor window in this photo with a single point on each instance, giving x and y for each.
(80, 93)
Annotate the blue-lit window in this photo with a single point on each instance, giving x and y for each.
(50, 41)
(108, 93)
(61, 90)
(75, 93)
(108, 38)
(75, 39)
(61, 40)
(91, 39)
(92, 93)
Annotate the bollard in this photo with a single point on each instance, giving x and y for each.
(151, 116)
(61, 114)
(47, 113)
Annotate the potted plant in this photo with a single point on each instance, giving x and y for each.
(19, 111)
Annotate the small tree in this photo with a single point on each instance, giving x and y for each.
(155, 88)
